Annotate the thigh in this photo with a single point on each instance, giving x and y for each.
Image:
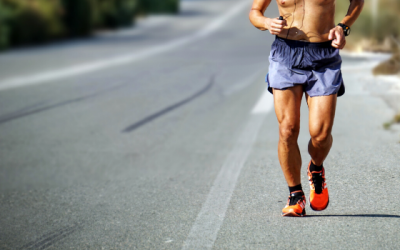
(287, 104)
(321, 113)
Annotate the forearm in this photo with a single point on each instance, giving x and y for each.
(256, 14)
(258, 20)
(354, 11)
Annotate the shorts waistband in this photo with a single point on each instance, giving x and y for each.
(295, 43)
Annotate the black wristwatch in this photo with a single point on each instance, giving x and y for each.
(346, 29)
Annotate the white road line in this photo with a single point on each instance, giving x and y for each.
(120, 60)
(208, 222)
(368, 55)
(361, 66)
(264, 104)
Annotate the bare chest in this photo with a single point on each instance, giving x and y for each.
(309, 3)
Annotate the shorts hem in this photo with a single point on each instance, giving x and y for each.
(341, 91)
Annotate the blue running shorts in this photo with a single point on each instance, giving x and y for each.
(316, 66)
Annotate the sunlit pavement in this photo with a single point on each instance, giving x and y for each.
(176, 148)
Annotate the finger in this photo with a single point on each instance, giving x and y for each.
(277, 30)
(273, 32)
(339, 36)
(331, 34)
(343, 44)
(337, 42)
(335, 45)
(277, 26)
(279, 22)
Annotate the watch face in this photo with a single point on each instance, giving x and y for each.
(346, 29)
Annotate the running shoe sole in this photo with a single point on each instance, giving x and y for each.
(293, 214)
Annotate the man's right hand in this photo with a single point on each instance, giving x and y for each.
(274, 25)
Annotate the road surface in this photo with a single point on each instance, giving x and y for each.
(163, 137)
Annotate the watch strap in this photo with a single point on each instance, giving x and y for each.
(346, 29)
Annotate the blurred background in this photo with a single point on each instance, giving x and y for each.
(24, 22)
(30, 22)
(376, 30)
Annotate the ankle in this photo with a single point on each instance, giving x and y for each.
(296, 189)
(314, 167)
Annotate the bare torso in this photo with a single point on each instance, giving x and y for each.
(307, 20)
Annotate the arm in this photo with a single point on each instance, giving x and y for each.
(354, 11)
(261, 22)
(336, 34)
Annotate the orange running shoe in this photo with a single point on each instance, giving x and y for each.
(296, 205)
(319, 196)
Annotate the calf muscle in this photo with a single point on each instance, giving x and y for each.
(287, 109)
(321, 117)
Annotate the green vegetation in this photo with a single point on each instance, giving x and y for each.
(25, 22)
(156, 6)
(77, 17)
(114, 14)
(396, 119)
(379, 31)
(387, 125)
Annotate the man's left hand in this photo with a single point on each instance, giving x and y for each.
(337, 36)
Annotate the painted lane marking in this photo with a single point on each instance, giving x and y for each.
(360, 66)
(208, 222)
(264, 104)
(121, 60)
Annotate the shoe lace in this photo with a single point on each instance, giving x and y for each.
(318, 181)
(294, 199)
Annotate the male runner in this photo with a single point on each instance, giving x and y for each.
(305, 58)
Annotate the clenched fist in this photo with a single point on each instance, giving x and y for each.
(275, 26)
(337, 36)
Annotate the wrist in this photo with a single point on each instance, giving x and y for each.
(267, 23)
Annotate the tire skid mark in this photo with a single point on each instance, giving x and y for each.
(33, 110)
(30, 107)
(50, 239)
(45, 105)
(169, 108)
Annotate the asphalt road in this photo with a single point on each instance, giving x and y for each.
(167, 141)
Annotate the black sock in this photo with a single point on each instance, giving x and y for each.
(315, 167)
(296, 188)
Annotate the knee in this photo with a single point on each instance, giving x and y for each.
(289, 131)
(320, 137)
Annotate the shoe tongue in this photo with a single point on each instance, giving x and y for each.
(318, 182)
(295, 197)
